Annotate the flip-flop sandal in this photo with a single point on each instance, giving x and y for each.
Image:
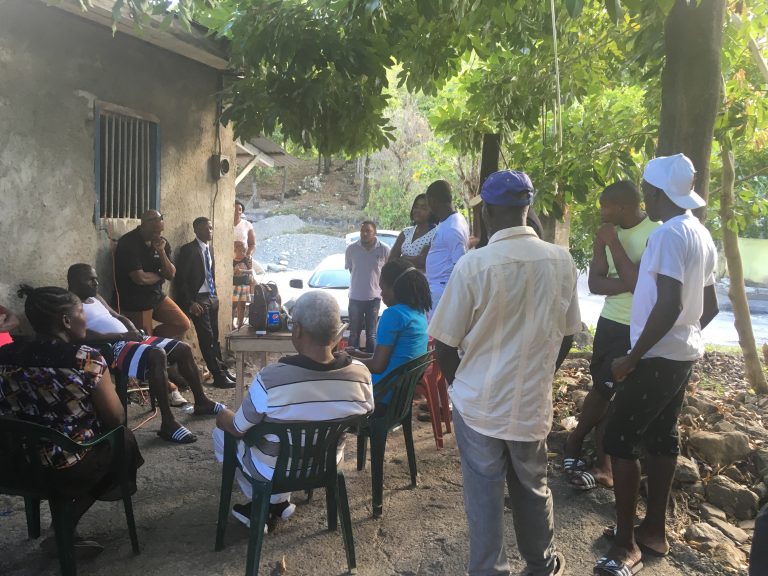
(559, 564)
(181, 435)
(217, 407)
(610, 567)
(586, 481)
(609, 533)
(574, 465)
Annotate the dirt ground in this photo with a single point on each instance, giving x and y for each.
(423, 531)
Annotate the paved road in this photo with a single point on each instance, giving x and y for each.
(720, 331)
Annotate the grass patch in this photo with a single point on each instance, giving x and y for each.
(712, 385)
(320, 229)
(723, 349)
(286, 210)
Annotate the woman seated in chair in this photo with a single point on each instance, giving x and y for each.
(402, 333)
(55, 382)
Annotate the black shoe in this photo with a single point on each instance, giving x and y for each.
(228, 373)
(221, 381)
(243, 513)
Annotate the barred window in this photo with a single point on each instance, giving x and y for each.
(127, 162)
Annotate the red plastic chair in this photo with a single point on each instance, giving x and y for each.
(435, 388)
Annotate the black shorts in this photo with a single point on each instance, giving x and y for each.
(611, 342)
(645, 408)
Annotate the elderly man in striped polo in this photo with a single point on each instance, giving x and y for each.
(314, 385)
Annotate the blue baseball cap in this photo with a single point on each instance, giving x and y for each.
(507, 188)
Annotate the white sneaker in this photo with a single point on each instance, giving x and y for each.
(282, 509)
(175, 399)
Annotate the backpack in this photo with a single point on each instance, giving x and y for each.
(262, 294)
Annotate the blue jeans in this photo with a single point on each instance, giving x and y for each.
(363, 314)
(486, 465)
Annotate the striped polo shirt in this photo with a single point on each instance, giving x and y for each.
(299, 389)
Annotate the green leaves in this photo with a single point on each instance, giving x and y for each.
(574, 7)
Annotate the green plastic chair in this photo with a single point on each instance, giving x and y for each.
(401, 384)
(24, 475)
(298, 467)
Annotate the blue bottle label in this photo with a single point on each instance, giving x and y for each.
(273, 318)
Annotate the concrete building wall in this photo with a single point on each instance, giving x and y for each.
(53, 66)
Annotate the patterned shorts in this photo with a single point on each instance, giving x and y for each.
(241, 293)
(131, 357)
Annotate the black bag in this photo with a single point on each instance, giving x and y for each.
(262, 295)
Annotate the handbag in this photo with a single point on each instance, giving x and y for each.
(262, 295)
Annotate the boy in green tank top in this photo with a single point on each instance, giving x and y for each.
(617, 249)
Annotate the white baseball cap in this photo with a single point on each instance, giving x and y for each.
(674, 175)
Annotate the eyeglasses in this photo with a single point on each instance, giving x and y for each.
(154, 218)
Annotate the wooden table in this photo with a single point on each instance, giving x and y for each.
(244, 341)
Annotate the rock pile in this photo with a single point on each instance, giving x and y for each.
(722, 473)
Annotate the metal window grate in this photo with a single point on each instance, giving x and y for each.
(127, 165)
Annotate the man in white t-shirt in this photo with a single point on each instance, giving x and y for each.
(137, 356)
(673, 300)
(451, 239)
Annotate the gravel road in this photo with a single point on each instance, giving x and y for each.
(301, 251)
(276, 240)
(276, 225)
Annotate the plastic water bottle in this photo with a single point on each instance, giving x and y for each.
(273, 316)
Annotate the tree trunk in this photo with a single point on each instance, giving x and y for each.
(557, 230)
(736, 293)
(327, 163)
(364, 185)
(319, 163)
(489, 163)
(690, 84)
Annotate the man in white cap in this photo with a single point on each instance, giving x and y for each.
(674, 299)
(507, 307)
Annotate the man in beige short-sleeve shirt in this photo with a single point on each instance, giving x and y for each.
(507, 307)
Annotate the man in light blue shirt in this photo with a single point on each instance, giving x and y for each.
(450, 242)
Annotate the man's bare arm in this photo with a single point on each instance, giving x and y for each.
(711, 307)
(226, 421)
(167, 269)
(144, 278)
(598, 280)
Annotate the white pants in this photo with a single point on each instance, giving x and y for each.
(242, 479)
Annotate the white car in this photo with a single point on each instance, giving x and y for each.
(329, 275)
(387, 237)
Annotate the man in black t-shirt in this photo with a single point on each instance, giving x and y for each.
(142, 265)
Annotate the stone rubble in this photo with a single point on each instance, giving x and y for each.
(721, 480)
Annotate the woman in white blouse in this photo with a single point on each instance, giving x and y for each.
(413, 242)
(244, 230)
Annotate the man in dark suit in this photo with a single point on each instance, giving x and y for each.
(196, 294)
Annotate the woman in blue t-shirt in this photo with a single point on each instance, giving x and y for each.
(402, 333)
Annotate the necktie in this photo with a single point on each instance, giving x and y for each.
(208, 274)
